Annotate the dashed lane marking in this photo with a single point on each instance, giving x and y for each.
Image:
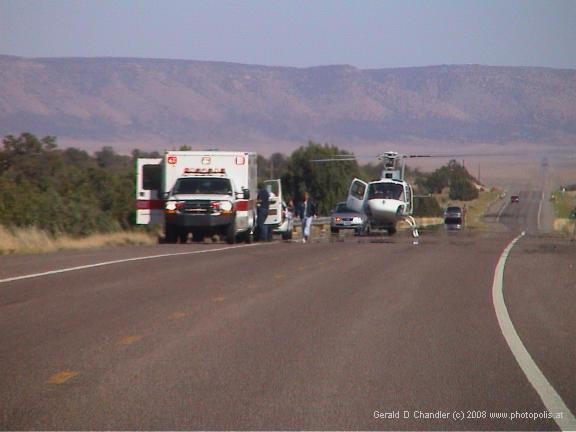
(504, 207)
(540, 209)
(61, 377)
(128, 340)
(551, 399)
(107, 263)
(219, 299)
(177, 315)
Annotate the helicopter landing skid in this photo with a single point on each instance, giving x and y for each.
(412, 222)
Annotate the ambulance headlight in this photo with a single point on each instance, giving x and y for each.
(226, 206)
(173, 206)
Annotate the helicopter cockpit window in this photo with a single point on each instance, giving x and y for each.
(385, 191)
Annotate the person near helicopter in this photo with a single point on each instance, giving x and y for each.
(306, 211)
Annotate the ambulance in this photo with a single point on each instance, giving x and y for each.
(202, 193)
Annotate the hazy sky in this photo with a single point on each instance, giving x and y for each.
(362, 33)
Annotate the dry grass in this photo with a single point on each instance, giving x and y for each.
(565, 226)
(422, 222)
(33, 240)
(564, 203)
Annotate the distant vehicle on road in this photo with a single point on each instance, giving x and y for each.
(515, 199)
(343, 217)
(454, 215)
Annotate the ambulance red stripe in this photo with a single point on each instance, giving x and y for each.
(150, 204)
(244, 205)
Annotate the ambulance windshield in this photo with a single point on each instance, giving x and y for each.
(203, 186)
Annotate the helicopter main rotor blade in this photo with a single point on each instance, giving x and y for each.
(400, 156)
(335, 159)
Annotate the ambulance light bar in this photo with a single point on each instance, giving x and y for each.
(204, 171)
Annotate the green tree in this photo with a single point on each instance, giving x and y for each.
(462, 189)
(63, 191)
(326, 182)
(108, 159)
(426, 206)
(436, 181)
(137, 153)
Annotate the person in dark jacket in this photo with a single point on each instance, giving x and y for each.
(306, 211)
(262, 213)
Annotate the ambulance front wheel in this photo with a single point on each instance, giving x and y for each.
(170, 233)
(183, 235)
(249, 236)
(231, 233)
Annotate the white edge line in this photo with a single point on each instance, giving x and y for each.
(502, 211)
(107, 263)
(540, 209)
(551, 399)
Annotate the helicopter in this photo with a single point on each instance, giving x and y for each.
(386, 201)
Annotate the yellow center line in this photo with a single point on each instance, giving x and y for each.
(61, 377)
(177, 315)
(128, 340)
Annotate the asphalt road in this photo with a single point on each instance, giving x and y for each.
(327, 335)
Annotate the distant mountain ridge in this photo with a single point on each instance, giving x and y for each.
(154, 101)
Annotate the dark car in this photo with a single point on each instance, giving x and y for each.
(343, 217)
(453, 216)
(514, 199)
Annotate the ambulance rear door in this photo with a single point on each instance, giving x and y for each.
(275, 210)
(149, 202)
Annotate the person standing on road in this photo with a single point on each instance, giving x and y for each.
(306, 211)
(262, 213)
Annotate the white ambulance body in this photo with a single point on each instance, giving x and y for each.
(199, 192)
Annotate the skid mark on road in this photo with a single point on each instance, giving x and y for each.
(107, 263)
(551, 399)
